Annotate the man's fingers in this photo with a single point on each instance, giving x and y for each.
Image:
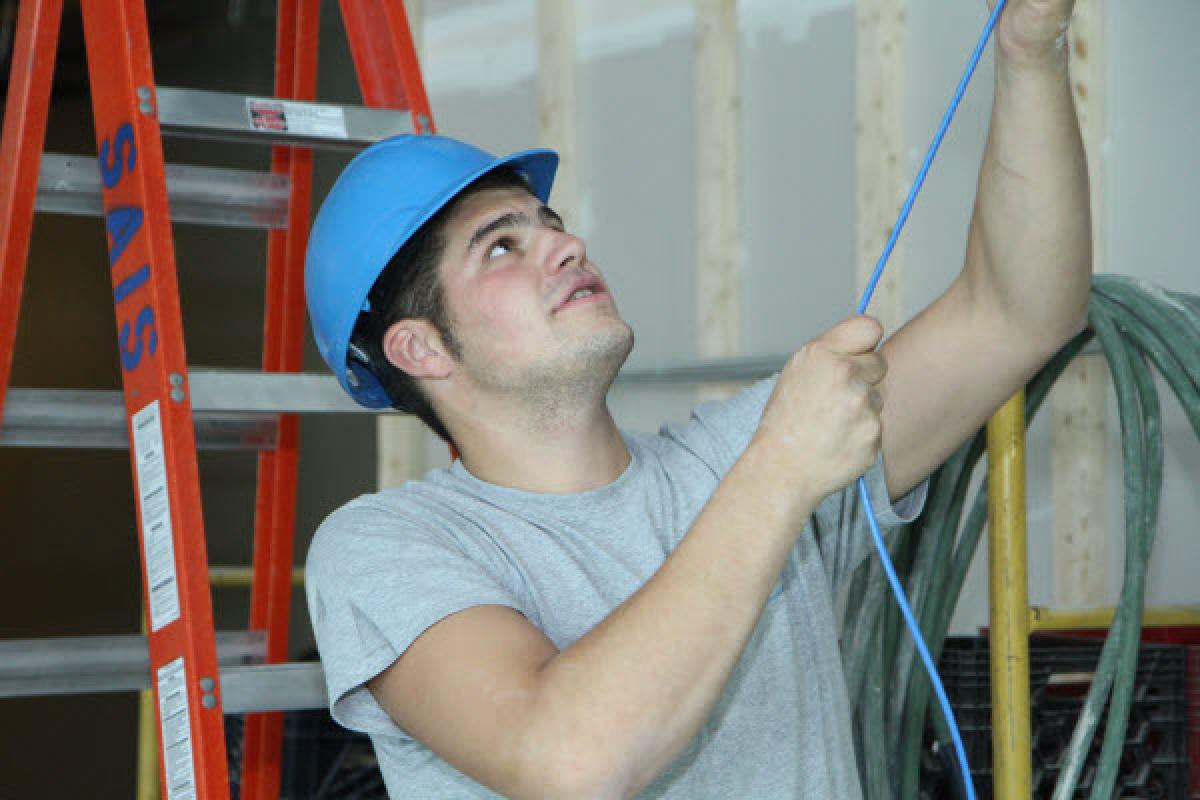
(853, 336)
(871, 367)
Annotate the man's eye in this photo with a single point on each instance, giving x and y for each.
(500, 248)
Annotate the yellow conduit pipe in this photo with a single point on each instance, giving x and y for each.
(1009, 601)
(244, 576)
(147, 746)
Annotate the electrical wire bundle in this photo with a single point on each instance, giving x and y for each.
(1141, 329)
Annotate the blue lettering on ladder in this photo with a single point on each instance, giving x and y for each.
(122, 224)
(111, 169)
(118, 156)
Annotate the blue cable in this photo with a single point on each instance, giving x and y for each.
(880, 545)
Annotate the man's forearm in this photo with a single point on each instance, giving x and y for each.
(1029, 249)
(631, 694)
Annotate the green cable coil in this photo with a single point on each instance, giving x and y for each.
(1139, 326)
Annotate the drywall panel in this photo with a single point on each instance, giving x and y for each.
(798, 184)
(797, 156)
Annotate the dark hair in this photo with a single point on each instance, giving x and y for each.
(410, 287)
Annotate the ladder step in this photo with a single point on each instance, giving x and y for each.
(94, 664)
(250, 391)
(70, 184)
(95, 419)
(199, 113)
(273, 687)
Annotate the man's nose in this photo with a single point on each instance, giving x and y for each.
(563, 250)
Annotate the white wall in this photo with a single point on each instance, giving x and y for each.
(797, 83)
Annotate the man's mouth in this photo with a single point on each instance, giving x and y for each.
(585, 288)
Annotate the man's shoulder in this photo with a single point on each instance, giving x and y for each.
(421, 508)
(390, 501)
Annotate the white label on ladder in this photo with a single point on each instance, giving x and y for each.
(305, 119)
(176, 731)
(153, 497)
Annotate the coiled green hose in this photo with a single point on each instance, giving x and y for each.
(1140, 326)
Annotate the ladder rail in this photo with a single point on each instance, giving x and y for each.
(385, 58)
(153, 369)
(296, 42)
(30, 80)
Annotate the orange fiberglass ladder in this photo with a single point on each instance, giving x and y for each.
(131, 113)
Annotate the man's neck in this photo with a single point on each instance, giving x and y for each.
(575, 451)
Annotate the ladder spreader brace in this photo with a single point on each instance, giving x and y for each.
(131, 113)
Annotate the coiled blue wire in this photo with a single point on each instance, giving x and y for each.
(880, 545)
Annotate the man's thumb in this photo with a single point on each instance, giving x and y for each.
(854, 335)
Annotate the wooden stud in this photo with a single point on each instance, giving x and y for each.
(557, 107)
(717, 186)
(413, 9)
(879, 128)
(400, 449)
(400, 440)
(1078, 400)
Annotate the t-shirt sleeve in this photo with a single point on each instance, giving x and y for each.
(718, 431)
(379, 575)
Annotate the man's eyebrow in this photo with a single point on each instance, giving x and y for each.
(549, 217)
(513, 219)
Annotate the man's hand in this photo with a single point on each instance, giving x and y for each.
(1033, 31)
(822, 423)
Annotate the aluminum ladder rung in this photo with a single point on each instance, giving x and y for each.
(273, 687)
(205, 114)
(95, 419)
(93, 664)
(250, 391)
(70, 184)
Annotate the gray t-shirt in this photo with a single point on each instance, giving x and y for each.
(385, 567)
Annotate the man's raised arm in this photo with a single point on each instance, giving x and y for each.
(1023, 290)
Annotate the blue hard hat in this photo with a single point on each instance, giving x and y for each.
(383, 196)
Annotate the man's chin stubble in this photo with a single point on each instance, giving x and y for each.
(571, 380)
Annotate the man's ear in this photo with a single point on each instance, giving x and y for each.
(415, 347)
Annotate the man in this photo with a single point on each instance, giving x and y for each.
(574, 611)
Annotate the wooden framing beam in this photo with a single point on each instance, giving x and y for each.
(879, 150)
(1078, 400)
(400, 440)
(718, 196)
(413, 10)
(557, 107)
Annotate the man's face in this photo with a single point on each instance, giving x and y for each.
(531, 313)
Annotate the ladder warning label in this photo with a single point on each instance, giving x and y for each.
(306, 119)
(176, 731)
(162, 586)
